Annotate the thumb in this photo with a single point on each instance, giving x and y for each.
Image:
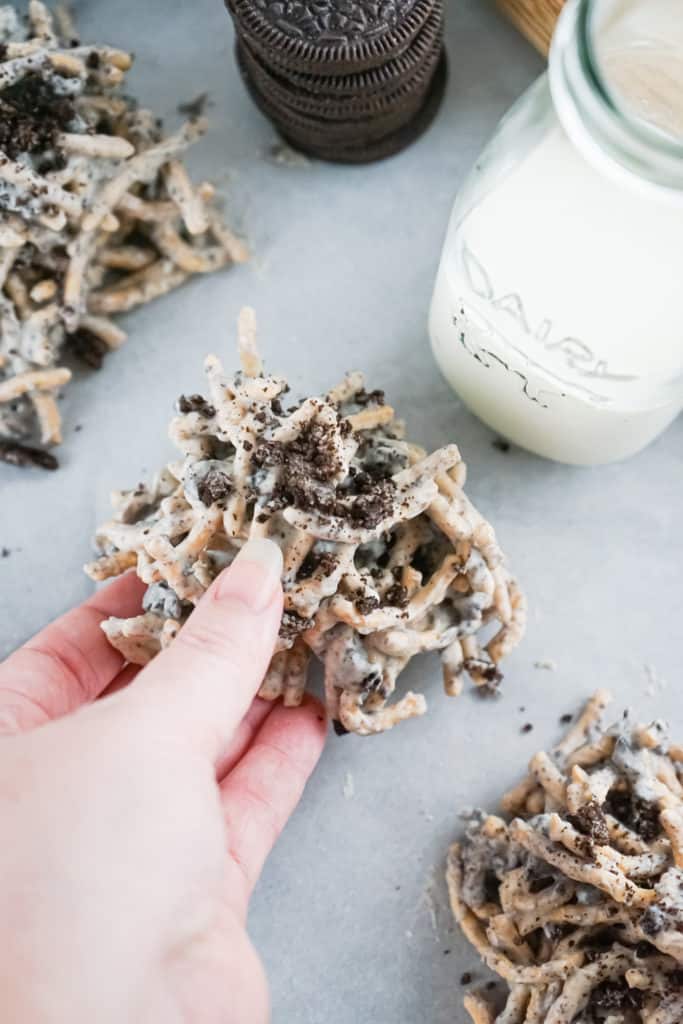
(205, 681)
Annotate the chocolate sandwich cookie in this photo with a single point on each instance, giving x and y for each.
(376, 80)
(393, 68)
(353, 96)
(342, 111)
(347, 80)
(328, 36)
(365, 146)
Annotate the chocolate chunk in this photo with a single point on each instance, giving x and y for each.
(527, 727)
(195, 403)
(501, 445)
(365, 605)
(591, 821)
(481, 667)
(24, 455)
(320, 563)
(214, 486)
(615, 995)
(369, 509)
(636, 814)
(309, 464)
(339, 729)
(195, 107)
(87, 348)
(396, 596)
(363, 397)
(465, 978)
(653, 920)
(292, 625)
(32, 114)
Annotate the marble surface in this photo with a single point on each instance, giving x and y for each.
(350, 915)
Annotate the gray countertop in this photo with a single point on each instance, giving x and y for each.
(350, 915)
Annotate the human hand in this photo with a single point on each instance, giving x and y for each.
(134, 826)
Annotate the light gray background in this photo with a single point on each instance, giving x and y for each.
(350, 915)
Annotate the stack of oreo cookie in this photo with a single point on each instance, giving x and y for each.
(344, 80)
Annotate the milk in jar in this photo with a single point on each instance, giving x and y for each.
(557, 314)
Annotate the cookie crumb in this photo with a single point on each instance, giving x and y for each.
(546, 664)
(195, 107)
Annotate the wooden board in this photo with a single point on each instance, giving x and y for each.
(534, 18)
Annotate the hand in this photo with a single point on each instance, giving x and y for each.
(134, 826)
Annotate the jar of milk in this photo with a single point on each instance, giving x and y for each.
(557, 314)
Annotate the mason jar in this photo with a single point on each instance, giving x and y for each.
(557, 314)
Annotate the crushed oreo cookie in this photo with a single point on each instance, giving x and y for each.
(633, 812)
(32, 115)
(195, 403)
(26, 455)
(292, 625)
(214, 486)
(87, 348)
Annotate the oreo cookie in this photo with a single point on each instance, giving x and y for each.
(369, 94)
(366, 146)
(329, 36)
(333, 118)
(343, 80)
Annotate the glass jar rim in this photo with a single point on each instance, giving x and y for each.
(595, 74)
(587, 106)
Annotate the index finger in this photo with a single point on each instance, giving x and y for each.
(202, 685)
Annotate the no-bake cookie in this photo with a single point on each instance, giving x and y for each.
(384, 556)
(97, 215)
(577, 901)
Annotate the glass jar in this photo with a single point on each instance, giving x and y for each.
(557, 314)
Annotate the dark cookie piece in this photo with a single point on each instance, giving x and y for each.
(87, 348)
(330, 36)
(24, 455)
(195, 403)
(31, 116)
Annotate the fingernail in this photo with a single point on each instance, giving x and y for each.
(254, 576)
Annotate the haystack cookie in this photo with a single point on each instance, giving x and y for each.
(577, 901)
(384, 556)
(97, 215)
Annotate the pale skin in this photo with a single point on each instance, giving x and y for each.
(136, 811)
